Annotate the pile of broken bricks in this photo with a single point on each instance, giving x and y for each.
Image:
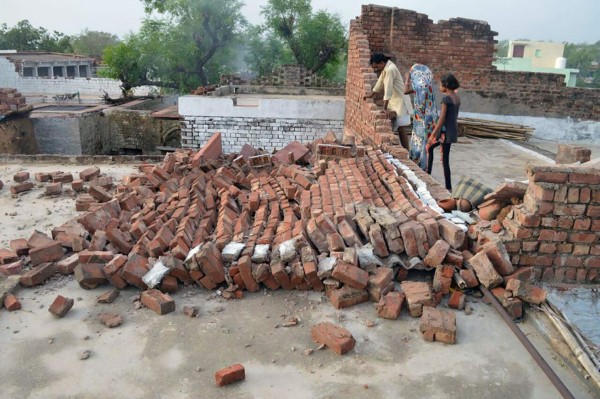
(317, 217)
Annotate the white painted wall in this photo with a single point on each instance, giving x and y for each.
(268, 123)
(9, 78)
(329, 108)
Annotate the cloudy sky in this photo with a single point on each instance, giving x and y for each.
(574, 21)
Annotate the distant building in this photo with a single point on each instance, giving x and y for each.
(50, 65)
(528, 56)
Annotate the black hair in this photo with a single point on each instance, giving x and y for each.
(378, 57)
(449, 81)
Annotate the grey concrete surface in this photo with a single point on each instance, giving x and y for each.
(151, 356)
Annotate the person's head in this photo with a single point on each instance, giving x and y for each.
(378, 61)
(449, 83)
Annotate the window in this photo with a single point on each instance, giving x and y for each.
(518, 51)
(57, 71)
(538, 53)
(43, 72)
(71, 71)
(28, 72)
(83, 71)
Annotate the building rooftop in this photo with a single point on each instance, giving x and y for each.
(29, 56)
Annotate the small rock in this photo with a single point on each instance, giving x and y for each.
(293, 349)
(198, 369)
(369, 323)
(322, 346)
(468, 310)
(50, 341)
(111, 320)
(84, 355)
(308, 351)
(291, 322)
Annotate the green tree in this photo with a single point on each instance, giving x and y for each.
(92, 43)
(186, 46)
(265, 51)
(584, 57)
(25, 37)
(316, 40)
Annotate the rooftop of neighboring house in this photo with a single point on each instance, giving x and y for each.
(42, 56)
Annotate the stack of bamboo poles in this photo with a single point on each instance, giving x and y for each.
(492, 129)
(581, 347)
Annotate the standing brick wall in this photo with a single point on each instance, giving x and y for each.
(557, 228)
(466, 48)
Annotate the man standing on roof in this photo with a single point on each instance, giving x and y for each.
(396, 105)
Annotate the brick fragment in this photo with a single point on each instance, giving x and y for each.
(378, 282)
(7, 256)
(19, 247)
(230, 374)
(67, 265)
(390, 305)
(110, 320)
(336, 338)
(99, 193)
(108, 296)
(451, 233)
(438, 325)
(456, 300)
(89, 275)
(191, 311)
(89, 173)
(60, 306)
(526, 292)
(437, 253)
(497, 254)
(11, 303)
(12, 269)
(158, 302)
(486, 274)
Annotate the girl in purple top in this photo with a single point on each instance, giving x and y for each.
(446, 129)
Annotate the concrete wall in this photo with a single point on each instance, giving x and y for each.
(263, 122)
(57, 135)
(86, 87)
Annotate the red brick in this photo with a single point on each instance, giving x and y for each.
(451, 233)
(108, 296)
(438, 325)
(99, 194)
(7, 256)
(336, 338)
(20, 188)
(169, 285)
(526, 292)
(390, 305)
(67, 266)
(592, 262)
(61, 306)
(456, 300)
(89, 173)
(19, 247)
(281, 276)
(591, 178)
(89, 275)
(245, 266)
(469, 277)
(77, 185)
(335, 242)
(119, 240)
(550, 177)
(54, 189)
(20, 177)
(230, 375)
(158, 302)
(351, 275)
(134, 270)
(418, 294)
(497, 254)
(437, 253)
(348, 296)
(37, 275)
(378, 282)
(348, 234)
(115, 264)
(42, 177)
(486, 274)
(12, 269)
(583, 238)
(11, 303)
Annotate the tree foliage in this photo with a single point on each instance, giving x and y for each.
(92, 43)
(182, 44)
(586, 58)
(25, 37)
(316, 40)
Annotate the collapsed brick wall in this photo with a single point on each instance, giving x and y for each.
(557, 228)
(10, 100)
(466, 48)
(267, 133)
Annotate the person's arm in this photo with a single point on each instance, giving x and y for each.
(407, 84)
(440, 122)
(376, 88)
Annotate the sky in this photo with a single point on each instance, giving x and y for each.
(574, 21)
